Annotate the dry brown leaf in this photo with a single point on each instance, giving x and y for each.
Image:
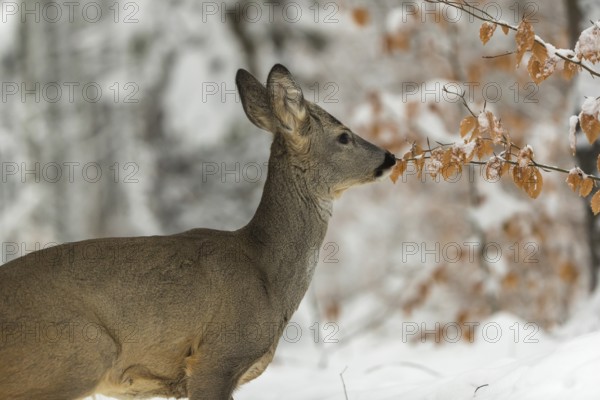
(417, 153)
(467, 125)
(525, 39)
(476, 134)
(587, 44)
(435, 162)
(540, 66)
(595, 203)
(360, 16)
(586, 187)
(540, 52)
(398, 170)
(574, 179)
(505, 168)
(534, 68)
(416, 150)
(590, 126)
(419, 164)
(505, 29)
(450, 171)
(447, 157)
(483, 148)
(497, 131)
(539, 71)
(528, 180)
(535, 187)
(483, 123)
(570, 69)
(517, 175)
(489, 125)
(486, 31)
(525, 157)
(493, 169)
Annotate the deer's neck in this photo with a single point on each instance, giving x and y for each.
(289, 226)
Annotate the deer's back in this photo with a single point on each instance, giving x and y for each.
(128, 271)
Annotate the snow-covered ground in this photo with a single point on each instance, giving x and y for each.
(520, 366)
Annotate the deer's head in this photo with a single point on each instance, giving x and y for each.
(329, 155)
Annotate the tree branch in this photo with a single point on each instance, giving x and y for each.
(505, 142)
(486, 17)
(544, 167)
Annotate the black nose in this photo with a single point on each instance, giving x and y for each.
(388, 162)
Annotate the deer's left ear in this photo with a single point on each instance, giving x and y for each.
(286, 100)
(255, 100)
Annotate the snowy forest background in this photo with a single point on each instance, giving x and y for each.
(128, 124)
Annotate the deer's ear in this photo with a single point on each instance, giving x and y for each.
(254, 100)
(286, 99)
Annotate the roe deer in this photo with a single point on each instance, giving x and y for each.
(194, 314)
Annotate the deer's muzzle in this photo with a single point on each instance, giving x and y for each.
(388, 162)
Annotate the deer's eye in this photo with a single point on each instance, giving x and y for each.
(344, 138)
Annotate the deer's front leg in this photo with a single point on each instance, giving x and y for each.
(212, 379)
(215, 373)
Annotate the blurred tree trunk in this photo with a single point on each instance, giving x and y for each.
(76, 132)
(586, 155)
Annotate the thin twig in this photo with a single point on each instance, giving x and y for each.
(344, 383)
(480, 386)
(462, 97)
(486, 16)
(508, 53)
